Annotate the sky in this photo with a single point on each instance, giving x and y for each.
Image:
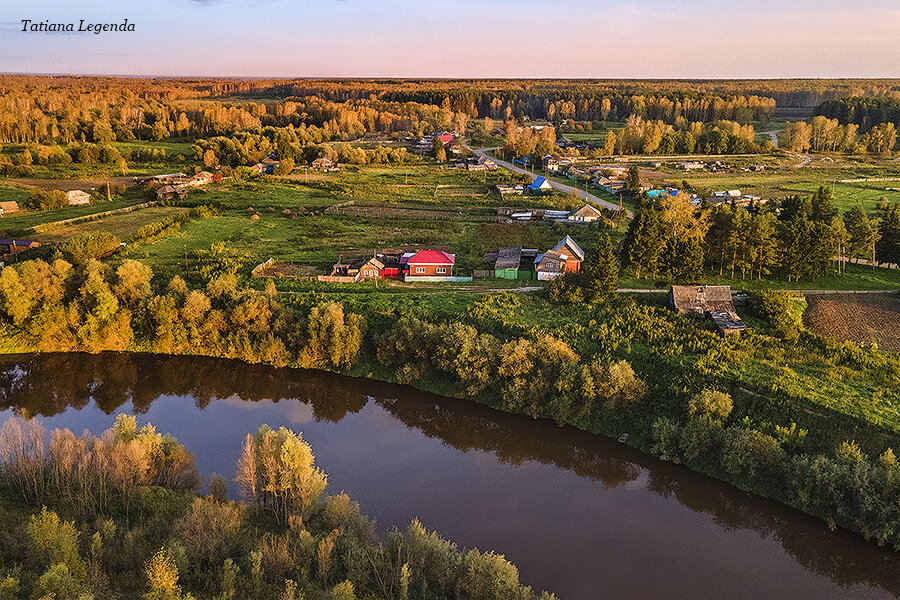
(691, 39)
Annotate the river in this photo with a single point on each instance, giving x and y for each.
(580, 515)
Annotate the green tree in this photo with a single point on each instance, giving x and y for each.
(632, 187)
(600, 272)
(863, 237)
(887, 248)
(711, 404)
(644, 242)
(277, 472)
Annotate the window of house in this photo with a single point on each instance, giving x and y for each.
(420, 269)
(442, 269)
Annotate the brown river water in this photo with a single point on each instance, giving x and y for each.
(580, 515)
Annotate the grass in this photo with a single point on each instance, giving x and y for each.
(123, 225)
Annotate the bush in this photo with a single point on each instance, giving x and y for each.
(711, 404)
(90, 246)
(47, 200)
(777, 308)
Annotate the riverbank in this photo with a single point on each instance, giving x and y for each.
(473, 473)
(798, 418)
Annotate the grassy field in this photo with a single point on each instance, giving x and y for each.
(122, 225)
(19, 224)
(786, 181)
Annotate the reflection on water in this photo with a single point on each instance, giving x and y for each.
(581, 515)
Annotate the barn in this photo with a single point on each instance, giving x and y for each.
(712, 300)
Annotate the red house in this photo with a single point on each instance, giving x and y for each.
(429, 263)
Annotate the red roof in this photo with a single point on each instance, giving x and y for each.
(432, 257)
(446, 137)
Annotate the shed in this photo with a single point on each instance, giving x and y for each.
(170, 192)
(507, 264)
(712, 300)
(75, 197)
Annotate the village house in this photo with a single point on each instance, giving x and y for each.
(586, 214)
(510, 189)
(10, 247)
(266, 166)
(324, 164)
(565, 257)
(168, 178)
(76, 197)
(170, 192)
(539, 186)
(427, 263)
(690, 165)
(482, 163)
(712, 300)
(359, 268)
(201, 178)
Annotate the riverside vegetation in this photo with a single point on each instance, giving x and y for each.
(120, 517)
(786, 414)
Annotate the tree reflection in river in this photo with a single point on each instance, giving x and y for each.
(49, 384)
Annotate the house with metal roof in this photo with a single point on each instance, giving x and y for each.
(539, 186)
(565, 257)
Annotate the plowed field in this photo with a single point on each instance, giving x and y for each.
(862, 318)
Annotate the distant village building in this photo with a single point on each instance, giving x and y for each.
(482, 163)
(9, 247)
(565, 257)
(428, 263)
(324, 164)
(690, 165)
(170, 192)
(76, 197)
(712, 300)
(169, 178)
(586, 214)
(540, 186)
(510, 189)
(266, 166)
(201, 178)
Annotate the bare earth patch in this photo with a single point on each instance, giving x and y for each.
(862, 318)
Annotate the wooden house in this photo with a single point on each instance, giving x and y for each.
(201, 178)
(323, 163)
(75, 197)
(586, 214)
(9, 247)
(565, 257)
(170, 192)
(712, 300)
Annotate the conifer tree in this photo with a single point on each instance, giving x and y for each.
(643, 243)
(600, 274)
(887, 249)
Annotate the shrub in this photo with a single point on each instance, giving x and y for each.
(90, 246)
(711, 404)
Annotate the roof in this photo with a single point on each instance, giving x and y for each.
(587, 211)
(375, 263)
(702, 298)
(539, 183)
(432, 257)
(5, 242)
(509, 258)
(77, 193)
(573, 248)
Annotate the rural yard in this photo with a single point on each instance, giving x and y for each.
(861, 318)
